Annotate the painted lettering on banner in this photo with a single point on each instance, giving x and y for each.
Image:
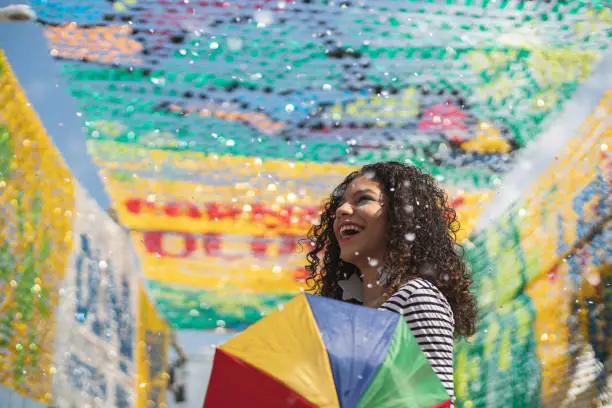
(96, 332)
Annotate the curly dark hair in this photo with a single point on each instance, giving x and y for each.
(416, 203)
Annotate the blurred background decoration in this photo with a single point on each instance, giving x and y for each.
(160, 161)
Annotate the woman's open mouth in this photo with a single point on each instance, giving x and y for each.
(348, 231)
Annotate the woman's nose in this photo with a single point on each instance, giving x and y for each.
(344, 210)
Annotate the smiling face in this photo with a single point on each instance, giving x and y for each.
(360, 225)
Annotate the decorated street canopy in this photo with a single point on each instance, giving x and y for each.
(320, 352)
(76, 323)
(219, 126)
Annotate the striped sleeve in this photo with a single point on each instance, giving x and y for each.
(431, 321)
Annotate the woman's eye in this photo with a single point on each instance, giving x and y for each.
(364, 199)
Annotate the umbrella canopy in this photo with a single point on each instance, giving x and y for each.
(320, 352)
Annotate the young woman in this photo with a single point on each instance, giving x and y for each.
(386, 239)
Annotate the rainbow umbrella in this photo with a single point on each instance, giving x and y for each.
(319, 352)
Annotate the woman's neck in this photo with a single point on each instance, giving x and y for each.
(369, 274)
(372, 291)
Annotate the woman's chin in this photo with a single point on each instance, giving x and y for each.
(349, 255)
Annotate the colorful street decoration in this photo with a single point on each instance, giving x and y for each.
(323, 81)
(73, 312)
(35, 242)
(96, 329)
(542, 282)
(233, 239)
(219, 127)
(153, 343)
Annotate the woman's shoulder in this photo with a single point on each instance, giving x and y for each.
(419, 286)
(420, 293)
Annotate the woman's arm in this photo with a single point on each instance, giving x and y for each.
(430, 319)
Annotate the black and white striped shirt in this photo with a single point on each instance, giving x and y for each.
(431, 321)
